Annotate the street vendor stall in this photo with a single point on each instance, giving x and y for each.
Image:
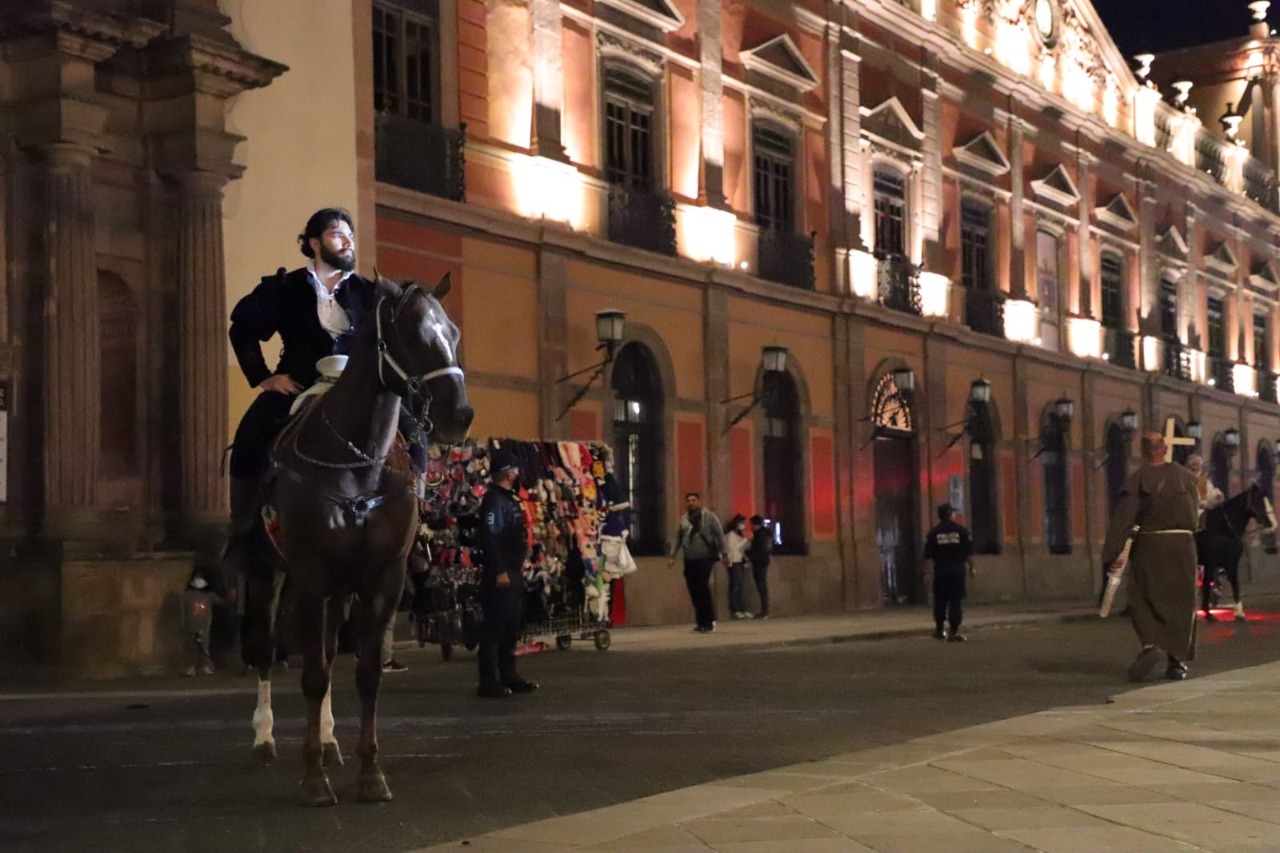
(569, 497)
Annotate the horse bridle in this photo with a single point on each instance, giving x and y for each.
(415, 384)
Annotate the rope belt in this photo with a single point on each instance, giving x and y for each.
(1165, 532)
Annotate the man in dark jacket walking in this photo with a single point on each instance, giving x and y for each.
(504, 539)
(950, 547)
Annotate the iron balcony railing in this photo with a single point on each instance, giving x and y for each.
(1177, 360)
(984, 311)
(1120, 348)
(898, 283)
(420, 156)
(786, 257)
(1222, 373)
(642, 219)
(1266, 386)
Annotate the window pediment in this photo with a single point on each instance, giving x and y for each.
(982, 153)
(656, 13)
(890, 122)
(1057, 187)
(1263, 277)
(1222, 259)
(780, 59)
(1117, 213)
(1172, 244)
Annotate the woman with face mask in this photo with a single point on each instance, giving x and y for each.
(735, 543)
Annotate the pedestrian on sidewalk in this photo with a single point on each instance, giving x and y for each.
(700, 538)
(1162, 500)
(735, 546)
(198, 601)
(950, 547)
(759, 553)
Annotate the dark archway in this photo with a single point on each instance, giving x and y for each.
(897, 484)
(984, 501)
(1057, 493)
(637, 441)
(1117, 462)
(1220, 465)
(783, 491)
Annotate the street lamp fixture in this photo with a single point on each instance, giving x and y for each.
(1195, 430)
(1231, 438)
(773, 360)
(611, 329)
(1129, 421)
(1064, 408)
(980, 392)
(905, 379)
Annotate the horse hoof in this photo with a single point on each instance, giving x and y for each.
(373, 789)
(264, 753)
(316, 792)
(332, 756)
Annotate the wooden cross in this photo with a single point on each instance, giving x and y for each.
(1171, 439)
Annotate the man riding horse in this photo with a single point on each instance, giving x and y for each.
(314, 310)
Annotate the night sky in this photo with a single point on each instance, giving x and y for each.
(1140, 26)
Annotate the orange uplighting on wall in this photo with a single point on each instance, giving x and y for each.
(1084, 337)
(862, 273)
(549, 189)
(707, 234)
(935, 294)
(1021, 320)
(1245, 378)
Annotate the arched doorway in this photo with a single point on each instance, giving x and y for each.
(1057, 496)
(119, 481)
(783, 495)
(1220, 465)
(984, 504)
(897, 497)
(637, 442)
(1117, 462)
(1266, 465)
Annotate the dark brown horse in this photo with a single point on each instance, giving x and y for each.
(343, 494)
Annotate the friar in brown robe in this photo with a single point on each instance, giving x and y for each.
(1161, 498)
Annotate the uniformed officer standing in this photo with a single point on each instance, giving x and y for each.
(504, 541)
(950, 547)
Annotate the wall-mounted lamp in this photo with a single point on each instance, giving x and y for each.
(611, 328)
(980, 392)
(1064, 409)
(772, 360)
(1231, 438)
(975, 423)
(1194, 430)
(905, 379)
(1129, 421)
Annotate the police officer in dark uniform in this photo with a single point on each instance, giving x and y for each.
(950, 547)
(505, 545)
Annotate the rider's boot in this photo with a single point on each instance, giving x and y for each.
(1239, 608)
(244, 510)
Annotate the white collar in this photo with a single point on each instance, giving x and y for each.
(322, 292)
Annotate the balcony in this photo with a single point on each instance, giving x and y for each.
(1119, 348)
(984, 311)
(1222, 373)
(642, 219)
(419, 156)
(1177, 361)
(1266, 383)
(898, 283)
(786, 257)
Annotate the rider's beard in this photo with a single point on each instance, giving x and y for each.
(346, 263)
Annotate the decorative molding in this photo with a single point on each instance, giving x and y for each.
(1263, 277)
(1172, 244)
(777, 111)
(1222, 259)
(1057, 187)
(656, 13)
(610, 46)
(889, 122)
(982, 153)
(779, 59)
(1117, 213)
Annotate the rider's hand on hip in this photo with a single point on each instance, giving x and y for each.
(280, 382)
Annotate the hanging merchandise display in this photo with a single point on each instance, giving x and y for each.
(577, 541)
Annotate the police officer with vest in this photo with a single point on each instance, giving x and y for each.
(505, 544)
(950, 547)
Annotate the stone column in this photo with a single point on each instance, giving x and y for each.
(930, 219)
(850, 136)
(202, 360)
(711, 92)
(71, 347)
(1017, 219)
(553, 349)
(1084, 244)
(715, 348)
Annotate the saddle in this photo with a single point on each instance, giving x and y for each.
(330, 368)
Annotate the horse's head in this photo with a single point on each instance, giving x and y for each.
(1260, 508)
(418, 356)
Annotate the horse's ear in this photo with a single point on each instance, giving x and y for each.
(442, 288)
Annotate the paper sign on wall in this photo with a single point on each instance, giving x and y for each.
(957, 493)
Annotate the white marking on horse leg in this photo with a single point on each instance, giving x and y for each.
(263, 719)
(326, 717)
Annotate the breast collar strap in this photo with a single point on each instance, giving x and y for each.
(384, 356)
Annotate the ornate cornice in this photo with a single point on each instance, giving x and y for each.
(220, 69)
(630, 50)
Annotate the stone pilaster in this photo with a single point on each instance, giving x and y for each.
(711, 95)
(930, 220)
(202, 379)
(1017, 219)
(553, 348)
(716, 357)
(1148, 289)
(850, 136)
(1084, 243)
(1195, 314)
(71, 346)
(548, 78)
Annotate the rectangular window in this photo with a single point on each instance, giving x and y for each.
(1168, 309)
(1048, 272)
(628, 131)
(1217, 330)
(774, 160)
(891, 214)
(1261, 342)
(1113, 292)
(406, 56)
(975, 246)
